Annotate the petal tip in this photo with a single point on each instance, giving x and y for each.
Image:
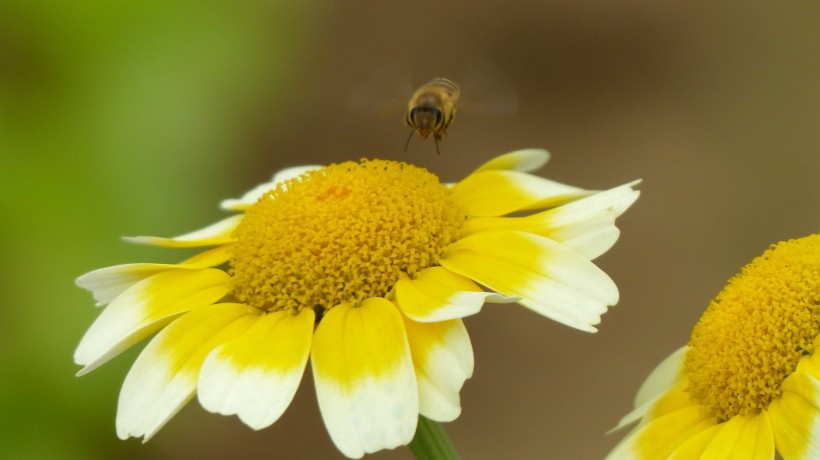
(85, 370)
(138, 239)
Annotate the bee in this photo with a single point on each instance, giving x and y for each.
(432, 109)
(485, 91)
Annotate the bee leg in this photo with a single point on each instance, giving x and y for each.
(408, 139)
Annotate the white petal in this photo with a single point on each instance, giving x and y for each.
(256, 374)
(611, 203)
(253, 195)
(587, 226)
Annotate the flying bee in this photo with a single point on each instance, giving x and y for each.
(484, 91)
(432, 109)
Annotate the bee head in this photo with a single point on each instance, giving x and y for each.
(424, 120)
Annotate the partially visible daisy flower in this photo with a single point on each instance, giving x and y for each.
(747, 385)
(364, 267)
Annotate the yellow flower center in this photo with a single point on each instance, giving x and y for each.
(341, 234)
(756, 330)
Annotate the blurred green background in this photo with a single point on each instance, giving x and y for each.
(138, 117)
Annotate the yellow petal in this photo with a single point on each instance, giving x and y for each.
(212, 235)
(550, 279)
(586, 226)
(525, 160)
(693, 447)
(795, 418)
(496, 193)
(672, 401)
(743, 437)
(810, 365)
(209, 258)
(675, 399)
(443, 359)
(438, 294)
(660, 383)
(144, 308)
(163, 378)
(107, 283)
(365, 382)
(256, 374)
(658, 438)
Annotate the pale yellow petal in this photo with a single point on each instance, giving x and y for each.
(693, 447)
(549, 278)
(651, 404)
(795, 418)
(743, 437)
(107, 283)
(164, 376)
(438, 294)
(209, 258)
(497, 192)
(365, 381)
(525, 160)
(658, 438)
(672, 401)
(144, 308)
(443, 359)
(663, 378)
(810, 364)
(586, 225)
(212, 235)
(255, 375)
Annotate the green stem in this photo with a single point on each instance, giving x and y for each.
(431, 442)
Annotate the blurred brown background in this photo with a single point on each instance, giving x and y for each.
(137, 118)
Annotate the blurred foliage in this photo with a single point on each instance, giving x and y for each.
(115, 118)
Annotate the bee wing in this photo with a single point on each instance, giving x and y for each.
(486, 88)
(386, 91)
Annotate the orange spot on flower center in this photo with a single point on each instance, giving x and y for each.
(756, 330)
(341, 234)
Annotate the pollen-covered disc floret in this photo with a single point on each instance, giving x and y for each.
(756, 330)
(341, 234)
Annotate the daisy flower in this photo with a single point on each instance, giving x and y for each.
(747, 385)
(365, 269)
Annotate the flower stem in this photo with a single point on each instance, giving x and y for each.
(431, 442)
